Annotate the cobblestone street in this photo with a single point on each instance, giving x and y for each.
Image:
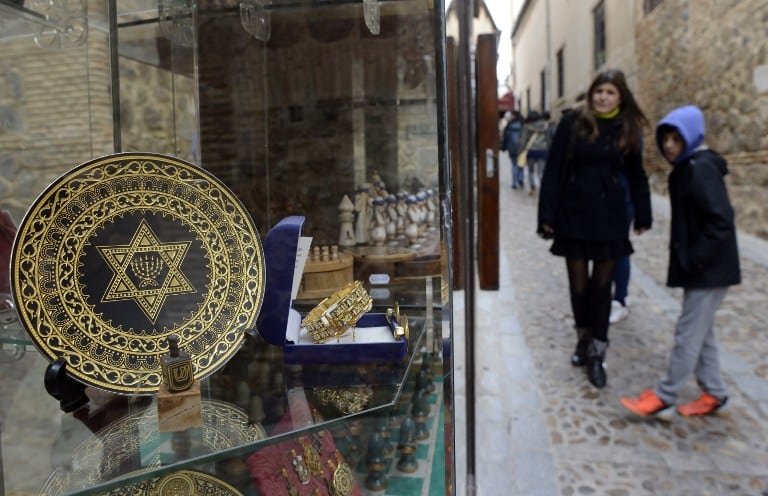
(557, 435)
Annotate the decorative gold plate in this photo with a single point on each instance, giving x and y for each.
(123, 251)
(181, 483)
(126, 447)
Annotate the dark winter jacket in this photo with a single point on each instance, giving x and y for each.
(581, 194)
(703, 252)
(511, 139)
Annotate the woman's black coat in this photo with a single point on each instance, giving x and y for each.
(581, 195)
(703, 252)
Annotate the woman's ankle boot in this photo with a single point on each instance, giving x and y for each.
(579, 357)
(596, 363)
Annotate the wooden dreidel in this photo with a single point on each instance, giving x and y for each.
(377, 464)
(176, 367)
(407, 446)
(178, 398)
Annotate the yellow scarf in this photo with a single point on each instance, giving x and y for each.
(608, 115)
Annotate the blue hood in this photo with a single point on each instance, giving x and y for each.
(689, 122)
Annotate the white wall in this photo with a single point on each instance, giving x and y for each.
(571, 28)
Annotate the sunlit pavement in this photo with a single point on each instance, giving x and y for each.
(552, 433)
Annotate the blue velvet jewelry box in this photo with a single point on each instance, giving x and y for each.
(371, 340)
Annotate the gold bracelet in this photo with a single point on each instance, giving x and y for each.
(337, 313)
(346, 400)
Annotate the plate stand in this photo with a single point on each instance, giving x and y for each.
(69, 392)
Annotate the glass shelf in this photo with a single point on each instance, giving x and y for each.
(114, 441)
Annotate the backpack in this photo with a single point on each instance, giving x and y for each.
(541, 136)
(512, 133)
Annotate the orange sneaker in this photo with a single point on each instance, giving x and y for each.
(703, 405)
(647, 404)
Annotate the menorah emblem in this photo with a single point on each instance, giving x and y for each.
(147, 267)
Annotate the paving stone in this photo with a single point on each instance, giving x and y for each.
(594, 446)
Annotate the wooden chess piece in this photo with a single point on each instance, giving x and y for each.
(379, 229)
(376, 480)
(355, 439)
(346, 221)
(363, 215)
(426, 366)
(407, 447)
(381, 425)
(391, 227)
(420, 412)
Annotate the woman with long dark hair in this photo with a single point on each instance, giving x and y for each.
(582, 206)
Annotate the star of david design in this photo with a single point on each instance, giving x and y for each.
(146, 270)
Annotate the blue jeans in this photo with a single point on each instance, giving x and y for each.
(517, 172)
(623, 267)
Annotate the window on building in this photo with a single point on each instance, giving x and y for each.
(528, 100)
(560, 75)
(543, 92)
(649, 5)
(598, 16)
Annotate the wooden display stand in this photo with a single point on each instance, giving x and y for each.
(426, 263)
(179, 411)
(378, 260)
(323, 278)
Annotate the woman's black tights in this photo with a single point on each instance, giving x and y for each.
(591, 294)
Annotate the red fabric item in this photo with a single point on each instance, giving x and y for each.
(7, 235)
(266, 465)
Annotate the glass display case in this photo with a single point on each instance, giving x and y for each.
(329, 110)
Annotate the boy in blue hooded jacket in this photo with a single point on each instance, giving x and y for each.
(703, 260)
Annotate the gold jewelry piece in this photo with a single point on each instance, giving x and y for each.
(311, 457)
(399, 321)
(346, 400)
(341, 483)
(300, 468)
(337, 313)
(292, 491)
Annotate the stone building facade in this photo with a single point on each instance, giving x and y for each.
(713, 53)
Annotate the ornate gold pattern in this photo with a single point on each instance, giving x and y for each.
(346, 400)
(100, 457)
(181, 483)
(146, 257)
(208, 300)
(311, 457)
(342, 480)
(337, 313)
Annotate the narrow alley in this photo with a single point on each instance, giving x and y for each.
(554, 434)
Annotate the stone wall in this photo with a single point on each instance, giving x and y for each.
(55, 110)
(291, 126)
(712, 53)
